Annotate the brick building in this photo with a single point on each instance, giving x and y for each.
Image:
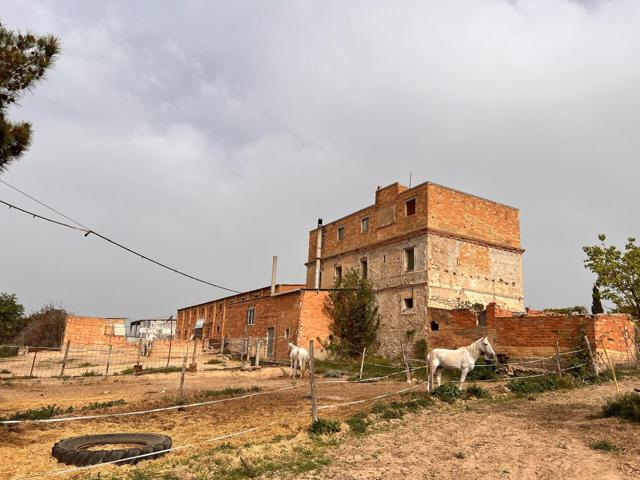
(423, 247)
(292, 313)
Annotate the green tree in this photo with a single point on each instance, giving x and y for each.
(618, 273)
(577, 309)
(353, 310)
(11, 317)
(24, 60)
(596, 300)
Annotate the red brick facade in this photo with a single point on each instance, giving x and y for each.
(294, 314)
(534, 335)
(94, 331)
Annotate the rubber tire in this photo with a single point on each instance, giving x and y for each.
(73, 451)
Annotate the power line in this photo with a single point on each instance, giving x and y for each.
(88, 231)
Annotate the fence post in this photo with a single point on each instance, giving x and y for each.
(312, 383)
(195, 349)
(364, 351)
(558, 359)
(626, 343)
(106, 372)
(404, 360)
(169, 354)
(257, 361)
(35, 353)
(222, 345)
(64, 359)
(594, 364)
(182, 372)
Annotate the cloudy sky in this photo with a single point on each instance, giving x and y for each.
(212, 135)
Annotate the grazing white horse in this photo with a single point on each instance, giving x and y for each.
(299, 358)
(463, 359)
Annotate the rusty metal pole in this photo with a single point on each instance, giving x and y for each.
(558, 359)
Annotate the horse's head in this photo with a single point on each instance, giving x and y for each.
(291, 346)
(486, 348)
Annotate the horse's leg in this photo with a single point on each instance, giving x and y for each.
(439, 376)
(465, 370)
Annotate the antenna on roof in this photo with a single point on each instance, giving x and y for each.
(410, 178)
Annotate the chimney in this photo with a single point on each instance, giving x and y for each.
(274, 270)
(318, 254)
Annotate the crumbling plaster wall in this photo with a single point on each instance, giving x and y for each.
(462, 271)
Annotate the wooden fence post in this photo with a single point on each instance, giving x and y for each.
(611, 366)
(35, 353)
(64, 359)
(182, 372)
(364, 351)
(312, 383)
(594, 364)
(222, 345)
(195, 350)
(106, 372)
(558, 359)
(406, 364)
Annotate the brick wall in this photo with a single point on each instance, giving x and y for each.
(93, 331)
(314, 323)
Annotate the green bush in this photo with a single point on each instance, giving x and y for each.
(448, 392)
(420, 349)
(333, 374)
(484, 370)
(477, 392)
(526, 386)
(358, 423)
(41, 413)
(8, 351)
(99, 405)
(89, 373)
(604, 445)
(324, 426)
(214, 361)
(625, 406)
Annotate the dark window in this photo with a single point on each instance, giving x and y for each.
(410, 207)
(340, 233)
(409, 259)
(338, 273)
(286, 333)
(434, 326)
(408, 303)
(364, 267)
(364, 224)
(218, 329)
(251, 315)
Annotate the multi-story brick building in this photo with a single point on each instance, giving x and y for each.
(289, 313)
(423, 247)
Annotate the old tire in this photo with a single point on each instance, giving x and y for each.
(73, 451)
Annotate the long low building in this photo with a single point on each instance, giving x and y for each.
(289, 313)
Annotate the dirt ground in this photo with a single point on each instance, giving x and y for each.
(29, 445)
(504, 438)
(546, 438)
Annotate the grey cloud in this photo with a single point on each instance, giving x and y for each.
(212, 135)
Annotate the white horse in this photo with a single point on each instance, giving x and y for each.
(299, 358)
(463, 359)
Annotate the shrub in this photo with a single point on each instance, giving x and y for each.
(90, 373)
(478, 392)
(324, 426)
(525, 386)
(604, 445)
(99, 405)
(358, 423)
(41, 413)
(448, 392)
(484, 370)
(625, 406)
(5, 371)
(420, 348)
(214, 361)
(8, 351)
(333, 374)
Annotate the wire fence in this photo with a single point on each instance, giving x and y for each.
(87, 361)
